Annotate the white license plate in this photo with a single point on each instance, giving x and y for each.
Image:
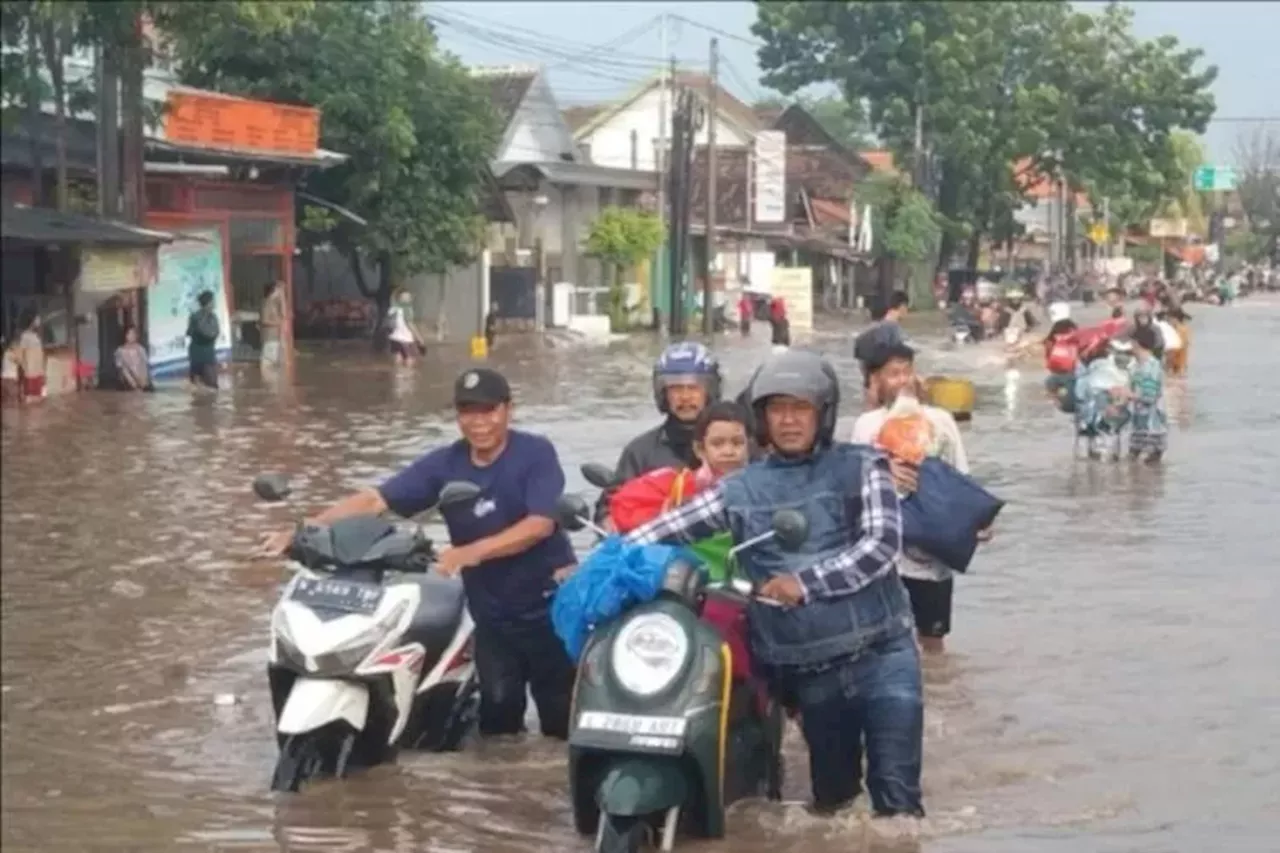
(632, 724)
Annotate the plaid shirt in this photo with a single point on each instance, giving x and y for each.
(873, 555)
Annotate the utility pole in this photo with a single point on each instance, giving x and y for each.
(660, 156)
(708, 259)
(682, 146)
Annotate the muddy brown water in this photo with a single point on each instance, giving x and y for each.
(1113, 683)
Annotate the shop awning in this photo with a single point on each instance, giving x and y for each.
(49, 227)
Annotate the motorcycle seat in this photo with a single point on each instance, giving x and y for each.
(439, 611)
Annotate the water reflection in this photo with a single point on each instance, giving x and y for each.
(1110, 685)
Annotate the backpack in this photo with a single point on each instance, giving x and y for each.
(1063, 355)
(206, 328)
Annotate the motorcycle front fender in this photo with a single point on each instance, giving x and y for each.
(316, 702)
(641, 785)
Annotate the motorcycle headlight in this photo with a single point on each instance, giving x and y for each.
(648, 653)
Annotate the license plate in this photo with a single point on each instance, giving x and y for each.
(632, 724)
(340, 595)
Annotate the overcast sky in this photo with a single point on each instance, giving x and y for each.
(1241, 38)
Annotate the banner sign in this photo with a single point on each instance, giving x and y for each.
(771, 177)
(184, 270)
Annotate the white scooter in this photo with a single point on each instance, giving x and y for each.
(359, 664)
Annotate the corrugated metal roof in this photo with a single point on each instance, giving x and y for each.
(42, 225)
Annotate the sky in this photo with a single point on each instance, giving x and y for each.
(596, 51)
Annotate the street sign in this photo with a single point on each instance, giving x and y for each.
(1214, 179)
(1098, 233)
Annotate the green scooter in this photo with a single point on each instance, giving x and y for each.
(663, 736)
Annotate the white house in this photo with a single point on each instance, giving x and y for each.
(629, 133)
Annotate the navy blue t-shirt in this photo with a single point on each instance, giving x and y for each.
(524, 480)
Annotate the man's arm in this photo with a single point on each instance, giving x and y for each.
(699, 518)
(414, 489)
(544, 484)
(877, 549)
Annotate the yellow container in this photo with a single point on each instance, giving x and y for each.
(957, 396)
(479, 347)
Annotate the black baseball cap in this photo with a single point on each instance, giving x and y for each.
(481, 386)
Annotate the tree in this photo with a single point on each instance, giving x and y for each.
(905, 228)
(987, 85)
(1118, 112)
(622, 237)
(1257, 156)
(417, 129)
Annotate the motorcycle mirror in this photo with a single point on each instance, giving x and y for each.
(599, 475)
(571, 512)
(272, 487)
(791, 529)
(458, 491)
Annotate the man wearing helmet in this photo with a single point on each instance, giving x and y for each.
(841, 647)
(686, 379)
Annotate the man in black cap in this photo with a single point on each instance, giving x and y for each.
(506, 546)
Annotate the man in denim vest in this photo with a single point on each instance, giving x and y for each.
(841, 649)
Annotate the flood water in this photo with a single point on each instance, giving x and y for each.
(1112, 684)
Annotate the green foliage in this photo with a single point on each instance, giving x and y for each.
(1144, 253)
(1246, 246)
(997, 83)
(417, 129)
(623, 237)
(904, 224)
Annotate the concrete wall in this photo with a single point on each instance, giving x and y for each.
(610, 144)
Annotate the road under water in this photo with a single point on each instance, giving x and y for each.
(1113, 682)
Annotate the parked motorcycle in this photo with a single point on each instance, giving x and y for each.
(361, 664)
(664, 736)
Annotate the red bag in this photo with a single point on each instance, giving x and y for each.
(1063, 354)
(644, 498)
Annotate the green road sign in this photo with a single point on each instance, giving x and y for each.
(1214, 179)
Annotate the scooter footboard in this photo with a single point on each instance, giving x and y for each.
(316, 702)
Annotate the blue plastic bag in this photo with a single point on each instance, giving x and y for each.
(612, 578)
(944, 514)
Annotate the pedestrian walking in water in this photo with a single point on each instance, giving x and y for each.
(273, 313)
(746, 311)
(491, 326)
(203, 329)
(404, 341)
(1150, 426)
(31, 358)
(778, 321)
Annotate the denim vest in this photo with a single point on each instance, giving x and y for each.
(827, 489)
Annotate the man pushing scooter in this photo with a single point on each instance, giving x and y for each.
(841, 651)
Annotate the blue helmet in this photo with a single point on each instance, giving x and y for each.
(681, 364)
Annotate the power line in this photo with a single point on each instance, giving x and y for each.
(552, 44)
(747, 41)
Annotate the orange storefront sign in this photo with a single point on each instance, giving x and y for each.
(211, 120)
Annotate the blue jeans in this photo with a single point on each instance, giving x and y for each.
(876, 699)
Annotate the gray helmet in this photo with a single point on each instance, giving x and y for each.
(797, 373)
